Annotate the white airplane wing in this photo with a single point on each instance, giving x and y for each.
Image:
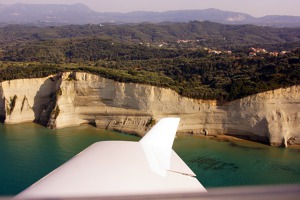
(119, 168)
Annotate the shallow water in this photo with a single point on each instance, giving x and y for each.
(237, 163)
(28, 152)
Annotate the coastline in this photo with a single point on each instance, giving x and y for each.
(233, 139)
(73, 98)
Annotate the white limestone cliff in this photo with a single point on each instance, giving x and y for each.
(72, 99)
(26, 100)
(273, 114)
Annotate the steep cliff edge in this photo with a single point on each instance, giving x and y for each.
(75, 98)
(26, 100)
(274, 115)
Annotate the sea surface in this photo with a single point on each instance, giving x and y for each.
(28, 152)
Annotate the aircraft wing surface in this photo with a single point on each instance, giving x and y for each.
(119, 168)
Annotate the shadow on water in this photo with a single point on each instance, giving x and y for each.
(252, 138)
(244, 147)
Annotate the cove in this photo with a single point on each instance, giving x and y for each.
(29, 151)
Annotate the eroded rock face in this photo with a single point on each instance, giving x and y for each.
(72, 99)
(26, 100)
(2, 105)
(273, 115)
(87, 98)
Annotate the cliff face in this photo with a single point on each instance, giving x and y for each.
(2, 105)
(274, 115)
(26, 100)
(72, 99)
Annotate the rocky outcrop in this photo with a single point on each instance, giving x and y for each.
(87, 98)
(26, 100)
(273, 115)
(72, 99)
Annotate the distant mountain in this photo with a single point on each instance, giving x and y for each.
(279, 20)
(212, 15)
(54, 14)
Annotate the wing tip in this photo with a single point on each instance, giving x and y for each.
(165, 127)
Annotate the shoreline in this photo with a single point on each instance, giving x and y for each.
(233, 139)
(220, 137)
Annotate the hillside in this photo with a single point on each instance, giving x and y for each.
(205, 34)
(202, 60)
(196, 75)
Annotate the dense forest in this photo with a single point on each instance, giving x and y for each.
(205, 33)
(173, 55)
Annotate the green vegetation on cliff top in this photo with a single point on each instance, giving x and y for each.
(167, 55)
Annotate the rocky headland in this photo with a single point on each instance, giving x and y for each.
(74, 98)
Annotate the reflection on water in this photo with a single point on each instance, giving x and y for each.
(29, 151)
(245, 147)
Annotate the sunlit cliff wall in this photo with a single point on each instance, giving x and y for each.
(26, 100)
(71, 99)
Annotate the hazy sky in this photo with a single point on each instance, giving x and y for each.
(253, 7)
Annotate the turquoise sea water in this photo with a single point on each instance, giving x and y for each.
(28, 152)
